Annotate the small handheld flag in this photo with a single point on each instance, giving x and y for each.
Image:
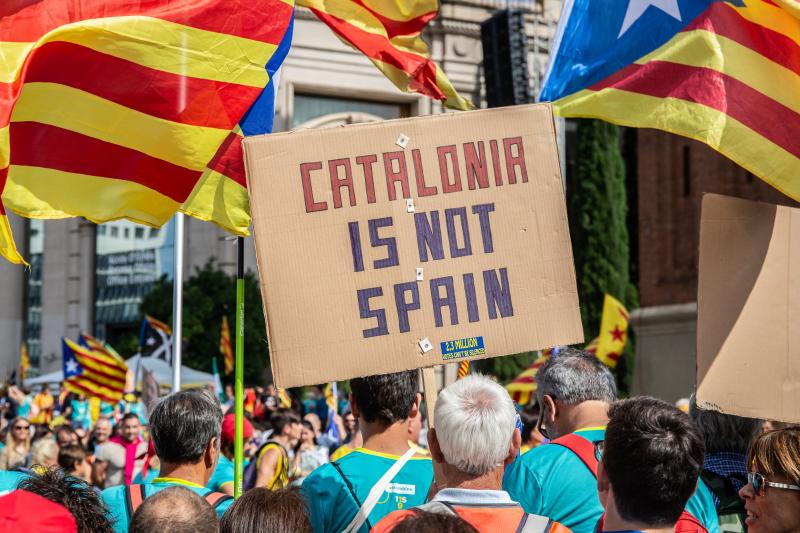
(610, 344)
(155, 339)
(225, 347)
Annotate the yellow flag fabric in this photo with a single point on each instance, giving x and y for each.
(613, 332)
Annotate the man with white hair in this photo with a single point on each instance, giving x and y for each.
(473, 439)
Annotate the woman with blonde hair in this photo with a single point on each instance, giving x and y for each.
(772, 494)
(18, 444)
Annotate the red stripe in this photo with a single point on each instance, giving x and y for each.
(420, 70)
(229, 159)
(41, 145)
(724, 20)
(713, 89)
(91, 391)
(96, 360)
(103, 378)
(261, 20)
(99, 382)
(208, 103)
(401, 27)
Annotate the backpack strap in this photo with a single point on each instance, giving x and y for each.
(581, 447)
(350, 488)
(688, 523)
(534, 523)
(215, 499)
(134, 496)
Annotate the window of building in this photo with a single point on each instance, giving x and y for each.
(33, 293)
(139, 233)
(114, 231)
(308, 107)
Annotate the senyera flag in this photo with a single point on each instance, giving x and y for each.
(726, 73)
(388, 32)
(134, 108)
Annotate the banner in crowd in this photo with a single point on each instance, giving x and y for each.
(748, 340)
(409, 243)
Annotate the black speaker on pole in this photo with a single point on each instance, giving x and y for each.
(505, 59)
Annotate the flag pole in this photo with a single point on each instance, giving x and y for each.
(177, 304)
(238, 442)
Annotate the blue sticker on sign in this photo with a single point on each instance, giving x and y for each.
(460, 348)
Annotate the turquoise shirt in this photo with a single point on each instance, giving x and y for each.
(331, 505)
(552, 481)
(10, 479)
(116, 499)
(223, 474)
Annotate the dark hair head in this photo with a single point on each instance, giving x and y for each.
(70, 456)
(183, 423)
(281, 418)
(128, 416)
(575, 376)
(427, 522)
(174, 510)
(90, 514)
(261, 510)
(64, 428)
(722, 432)
(653, 455)
(386, 398)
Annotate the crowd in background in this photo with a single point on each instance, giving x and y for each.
(579, 460)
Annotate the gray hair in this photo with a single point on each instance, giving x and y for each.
(175, 510)
(474, 421)
(724, 433)
(575, 376)
(183, 423)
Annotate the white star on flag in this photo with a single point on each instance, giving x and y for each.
(636, 9)
(72, 366)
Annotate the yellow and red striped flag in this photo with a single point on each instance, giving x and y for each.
(522, 387)
(94, 374)
(463, 369)
(225, 347)
(24, 361)
(134, 108)
(609, 345)
(723, 73)
(388, 32)
(96, 345)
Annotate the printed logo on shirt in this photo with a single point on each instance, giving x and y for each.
(401, 488)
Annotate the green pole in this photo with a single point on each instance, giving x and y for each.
(238, 444)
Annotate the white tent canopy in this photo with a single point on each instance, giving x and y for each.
(161, 370)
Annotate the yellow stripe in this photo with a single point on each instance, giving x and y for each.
(401, 80)
(75, 110)
(727, 135)
(354, 14)
(8, 248)
(12, 55)
(791, 6)
(95, 389)
(170, 47)
(97, 367)
(47, 193)
(177, 481)
(5, 149)
(701, 48)
(771, 17)
(221, 200)
(405, 10)
(388, 455)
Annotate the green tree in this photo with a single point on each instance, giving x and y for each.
(598, 206)
(207, 295)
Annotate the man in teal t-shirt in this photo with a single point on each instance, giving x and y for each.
(335, 492)
(185, 428)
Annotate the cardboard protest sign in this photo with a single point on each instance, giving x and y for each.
(408, 243)
(748, 334)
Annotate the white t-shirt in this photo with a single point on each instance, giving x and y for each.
(114, 454)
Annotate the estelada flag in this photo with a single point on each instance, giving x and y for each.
(389, 33)
(134, 108)
(522, 387)
(225, 347)
(94, 374)
(726, 73)
(610, 343)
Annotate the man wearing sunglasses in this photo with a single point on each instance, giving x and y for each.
(772, 494)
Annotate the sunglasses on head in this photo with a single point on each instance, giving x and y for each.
(759, 483)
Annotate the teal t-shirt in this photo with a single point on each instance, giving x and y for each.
(552, 481)
(223, 474)
(9, 480)
(331, 504)
(116, 499)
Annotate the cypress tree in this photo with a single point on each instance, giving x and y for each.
(597, 207)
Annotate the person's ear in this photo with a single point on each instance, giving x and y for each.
(433, 446)
(603, 485)
(415, 407)
(212, 452)
(513, 449)
(354, 407)
(551, 411)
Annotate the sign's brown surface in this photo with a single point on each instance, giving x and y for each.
(408, 243)
(748, 330)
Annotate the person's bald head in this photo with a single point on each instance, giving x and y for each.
(176, 510)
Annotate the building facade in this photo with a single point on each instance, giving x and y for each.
(87, 277)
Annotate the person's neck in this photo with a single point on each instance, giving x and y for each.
(456, 479)
(282, 440)
(192, 472)
(614, 522)
(592, 413)
(392, 439)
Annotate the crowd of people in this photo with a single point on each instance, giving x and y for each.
(584, 461)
